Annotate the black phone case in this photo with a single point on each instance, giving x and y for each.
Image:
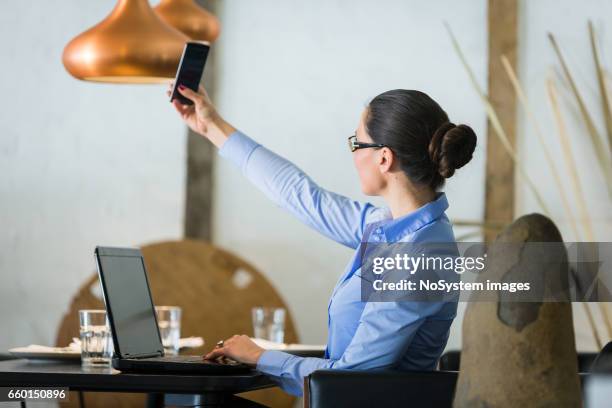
(190, 69)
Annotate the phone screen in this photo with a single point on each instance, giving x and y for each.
(190, 69)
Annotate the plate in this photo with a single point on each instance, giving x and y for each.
(72, 352)
(46, 353)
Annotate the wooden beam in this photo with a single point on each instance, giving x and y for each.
(503, 40)
(200, 160)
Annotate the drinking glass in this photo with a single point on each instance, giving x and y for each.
(96, 339)
(269, 323)
(169, 322)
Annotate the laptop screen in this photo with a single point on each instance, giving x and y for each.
(128, 302)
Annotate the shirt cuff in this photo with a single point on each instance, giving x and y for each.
(237, 148)
(271, 362)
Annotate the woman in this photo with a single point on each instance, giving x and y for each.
(404, 148)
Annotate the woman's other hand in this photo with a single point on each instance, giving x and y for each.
(202, 117)
(240, 348)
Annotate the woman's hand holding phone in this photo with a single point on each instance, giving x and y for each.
(202, 117)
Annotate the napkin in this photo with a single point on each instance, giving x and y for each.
(191, 342)
(272, 345)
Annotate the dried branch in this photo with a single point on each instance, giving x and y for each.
(494, 119)
(551, 164)
(600, 152)
(605, 101)
(569, 159)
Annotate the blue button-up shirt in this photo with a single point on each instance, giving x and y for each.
(361, 335)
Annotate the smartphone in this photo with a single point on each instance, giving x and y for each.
(190, 69)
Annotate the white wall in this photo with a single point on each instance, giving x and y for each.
(295, 76)
(567, 20)
(81, 164)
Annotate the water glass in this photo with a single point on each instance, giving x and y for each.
(169, 322)
(96, 339)
(269, 323)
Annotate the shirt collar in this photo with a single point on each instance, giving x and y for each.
(395, 229)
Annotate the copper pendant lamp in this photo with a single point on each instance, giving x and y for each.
(131, 45)
(189, 18)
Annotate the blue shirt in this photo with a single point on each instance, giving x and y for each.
(361, 335)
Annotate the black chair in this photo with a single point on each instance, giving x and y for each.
(356, 389)
(603, 361)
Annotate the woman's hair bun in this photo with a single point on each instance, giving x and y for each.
(429, 148)
(451, 148)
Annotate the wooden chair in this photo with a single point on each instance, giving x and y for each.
(216, 290)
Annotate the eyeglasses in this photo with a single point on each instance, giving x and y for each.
(354, 144)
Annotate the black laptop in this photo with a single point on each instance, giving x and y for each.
(133, 322)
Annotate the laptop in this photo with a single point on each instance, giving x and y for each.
(133, 321)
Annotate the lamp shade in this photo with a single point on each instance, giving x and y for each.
(131, 45)
(189, 18)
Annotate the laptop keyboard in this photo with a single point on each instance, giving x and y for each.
(192, 359)
(178, 359)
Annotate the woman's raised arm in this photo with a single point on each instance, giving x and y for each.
(331, 214)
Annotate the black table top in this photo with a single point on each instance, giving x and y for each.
(24, 373)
